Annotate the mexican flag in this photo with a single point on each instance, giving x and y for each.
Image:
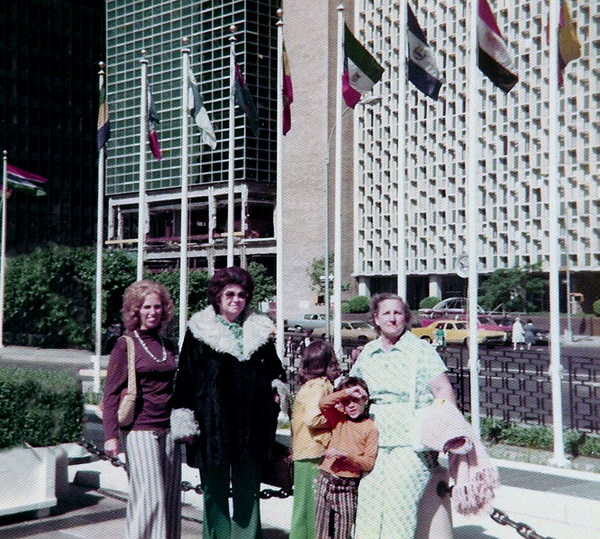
(361, 70)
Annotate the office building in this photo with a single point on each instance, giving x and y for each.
(513, 144)
(49, 52)
(158, 28)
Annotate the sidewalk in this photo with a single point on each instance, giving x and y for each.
(556, 503)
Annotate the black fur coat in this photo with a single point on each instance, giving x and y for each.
(228, 393)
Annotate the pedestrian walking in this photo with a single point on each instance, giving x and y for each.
(530, 334)
(518, 334)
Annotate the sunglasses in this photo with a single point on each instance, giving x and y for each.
(230, 294)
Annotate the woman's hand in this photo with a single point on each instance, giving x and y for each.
(111, 447)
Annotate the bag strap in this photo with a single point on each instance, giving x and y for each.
(131, 385)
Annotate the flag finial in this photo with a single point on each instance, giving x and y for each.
(101, 65)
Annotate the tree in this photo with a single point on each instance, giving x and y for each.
(516, 289)
(316, 273)
(264, 285)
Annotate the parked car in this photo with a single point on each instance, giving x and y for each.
(457, 332)
(351, 331)
(308, 321)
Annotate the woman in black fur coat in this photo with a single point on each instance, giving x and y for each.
(224, 403)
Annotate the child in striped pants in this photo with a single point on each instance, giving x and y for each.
(351, 452)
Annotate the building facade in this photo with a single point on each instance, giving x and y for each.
(159, 30)
(513, 142)
(49, 54)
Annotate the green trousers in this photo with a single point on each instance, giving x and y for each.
(245, 484)
(306, 472)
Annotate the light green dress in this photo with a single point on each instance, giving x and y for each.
(388, 497)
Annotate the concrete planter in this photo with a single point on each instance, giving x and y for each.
(32, 479)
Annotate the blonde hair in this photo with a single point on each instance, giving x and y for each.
(134, 297)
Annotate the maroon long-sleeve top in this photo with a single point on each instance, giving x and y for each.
(154, 384)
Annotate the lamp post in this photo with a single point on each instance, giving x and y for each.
(365, 102)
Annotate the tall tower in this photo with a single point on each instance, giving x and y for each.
(159, 29)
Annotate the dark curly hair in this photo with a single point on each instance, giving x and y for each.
(379, 298)
(227, 276)
(134, 297)
(315, 360)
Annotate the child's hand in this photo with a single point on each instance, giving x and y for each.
(331, 452)
(356, 392)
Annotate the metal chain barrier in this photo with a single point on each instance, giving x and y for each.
(497, 515)
(186, 486)
(522, 529)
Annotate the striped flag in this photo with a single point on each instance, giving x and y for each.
(288, 93)
(361, 70)
(494, 59)
(103, 133)
(199, 113)
(422, 70)
(569, 47)
(153, 123)
(26, 182)
(243, 98)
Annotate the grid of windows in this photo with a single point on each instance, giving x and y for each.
(513, 154)
(48, 109)
(159, 28)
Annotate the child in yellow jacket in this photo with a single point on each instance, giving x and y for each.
(310, 433)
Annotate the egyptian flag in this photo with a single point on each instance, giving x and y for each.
(361, 70)
(495, 60)
(422, 71)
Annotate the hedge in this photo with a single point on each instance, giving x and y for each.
(39, 408)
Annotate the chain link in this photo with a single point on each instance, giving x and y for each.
(186, 486)
(522, 529)
(497, 515)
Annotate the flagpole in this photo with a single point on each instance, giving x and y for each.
(231, 174)
(183, 261)
(3, 245)
(279, 209)
(471, 215)
(337, 246)
(402, 80)
(559, 458)
(99, 245)
(142, 180)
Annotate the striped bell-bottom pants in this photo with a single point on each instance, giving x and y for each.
(336, 501)
(154, 469)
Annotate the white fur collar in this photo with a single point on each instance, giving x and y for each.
(205, 326)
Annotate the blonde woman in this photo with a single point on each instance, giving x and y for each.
(153, 458)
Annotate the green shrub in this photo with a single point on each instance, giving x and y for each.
(429, 302)
(576, 443)
(359, 304)
(596, 307)
(39, 408)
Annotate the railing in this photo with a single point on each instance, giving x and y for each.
(515, 386)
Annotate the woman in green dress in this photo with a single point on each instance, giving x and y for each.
(403, 372)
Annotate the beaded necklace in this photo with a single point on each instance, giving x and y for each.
(164, 350)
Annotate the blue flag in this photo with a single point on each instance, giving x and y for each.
(422, 71)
